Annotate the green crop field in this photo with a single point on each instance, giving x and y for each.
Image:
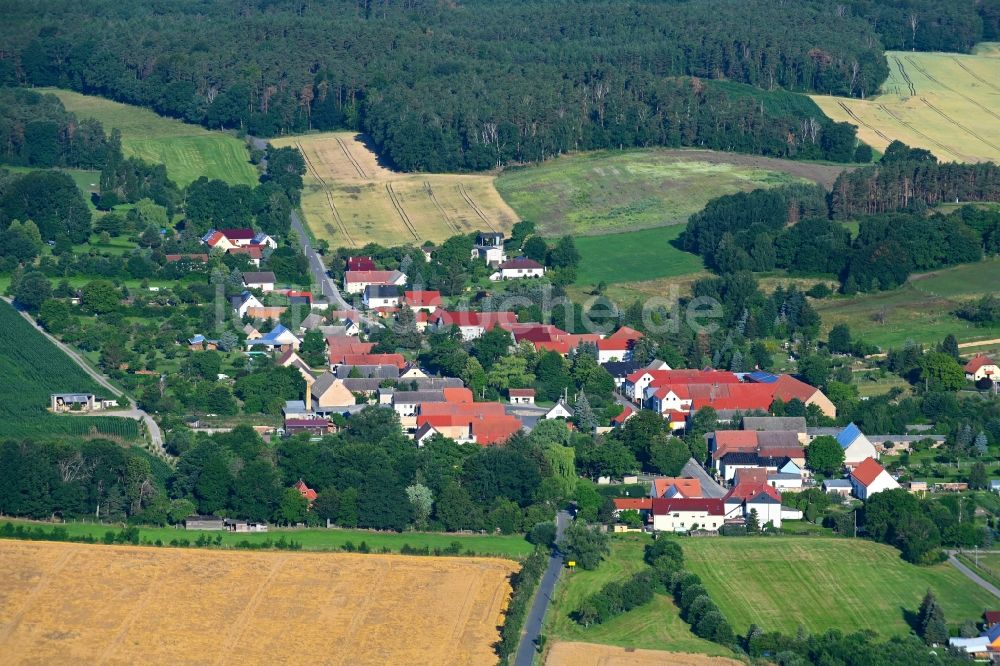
(921, 310)
(945, 102)
(633, 256)
(825, 583)
(655, 626)
(319, 539)
(615, 191)
(32, 368)
(188, 151)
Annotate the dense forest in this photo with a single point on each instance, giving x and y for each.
(477, 84)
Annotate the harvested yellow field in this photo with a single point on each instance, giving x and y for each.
(351, 199)
(76, 603)
(590, 654)
(948, 103)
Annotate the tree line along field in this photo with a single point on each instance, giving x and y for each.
(948, 103)
(351, 199)
(823, 583)
(188, 151)
(79, 603)
(33, 368)
(921, 310)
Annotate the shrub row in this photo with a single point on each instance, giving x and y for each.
(523, 583)
(616, 598)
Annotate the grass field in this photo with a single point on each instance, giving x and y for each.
(76, 603)
(825, 583)
(948, 103)
(634, 256)
(655, 626)
(33, 368)
(511, 546)
(188, 151)
(350, 199)
(613, 191)
(921, 310)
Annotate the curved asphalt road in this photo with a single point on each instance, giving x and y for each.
(970, 574)
(533, 624)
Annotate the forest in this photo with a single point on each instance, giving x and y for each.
(474, 85)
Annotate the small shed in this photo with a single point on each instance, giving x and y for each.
(204, 523)
(521, 396)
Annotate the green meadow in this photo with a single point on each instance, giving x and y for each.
(188, 151)
(633, 256)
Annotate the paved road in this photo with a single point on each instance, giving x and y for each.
(971, 575)
(533, 624)
(709, 488)
(154, 430)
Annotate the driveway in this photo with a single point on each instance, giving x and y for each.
(533, 624)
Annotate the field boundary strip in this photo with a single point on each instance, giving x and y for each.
(950, 89)
(474, 206)
(326, 191)
(398, 205)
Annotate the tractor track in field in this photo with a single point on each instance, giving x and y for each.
(898, 119)
(437, 204)
(857, 118)
(906, 77)
(350, 158)
(974, 75)
(474, 206)
(958, 124)
(394, 198)
(949, 89)
(329, 196)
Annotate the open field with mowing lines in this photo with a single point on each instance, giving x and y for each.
(634, 256)
(76, 603)
(920, 310)
(948, 103)
(825, 583)
(350, 199)
(188, 151)
(655, 626)
(614, 191)
(589, 654)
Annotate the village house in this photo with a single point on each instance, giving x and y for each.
(671, 487)
(856, 446)
(279, 339)
(869, 478)
(839, 487)
(290, 359)
(381, 296)
(644, 505)
(263, 280)
(427, 301)
(79, 402)
(623, 416)
(796, 424)
(681, 514)
(329, 393)
(489, 248)
(617, 346)
(244, 303)
(521, 396)
(515, 269)
(749, 496)
(361, 264)
(200, 343)
(308, 494)
(560, 410)
(472, 324)
(546, 337)
(314, 426)
(356, 281)
(253, 253)
(980, 367)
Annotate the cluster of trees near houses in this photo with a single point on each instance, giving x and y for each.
(472, 86)
(796, 227)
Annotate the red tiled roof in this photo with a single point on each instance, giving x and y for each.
(305, 490)
(214, 239)
(991, 617)
(374, 359)
(625, 414)
(684, 376)
(461, 409)
(255, 251)
(978, 361)
(265, 312)
(662, 506)
(521, 393)
(457, 395)
(749, 489)
(422, 298)
(625, 333)
(521, 262)
(340, 315)
(485, 320)
(734, 438)
(238, 234)
(751, 475)
(494, 429)
(369, 277)
(686, 487)
(360, 264)
(867, 471)
(788, 387)
(633, 503)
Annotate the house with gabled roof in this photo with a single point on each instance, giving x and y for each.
(263, 280)
(560, 410)
(356, 281)
(644, 505)
(623, 416)
(426, 300)
(756, 496)
(981, 366)
(489, 247)
(516, 269)
(244, 302)
(307, 493)
(472, 324)
(280, 338)
(670, 487)
(617, 346)
(869, 478)
(681, 514)
(329, 392)
(856, 446)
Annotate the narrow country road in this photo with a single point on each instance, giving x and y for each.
(154, 430)
(709, 487)
(972, 575)
(533, 624)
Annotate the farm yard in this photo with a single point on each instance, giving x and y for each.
(948, 103)
(33, 368)
(350, 199)
(825, 583)
(76, 603)
(188, 151)
(921, 310)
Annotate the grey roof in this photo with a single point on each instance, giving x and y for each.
(783, 439)
(434, 383)
(381, 291)
(762, 498)
(747, 458)
(837, 483)
(313, 320)
(361, 385)
(322, 383)
(414, 397)
(823, 432)
(620, 368)
(784, 476)
(369, 371)
(795, 424)
(257, 277)
(881, 439)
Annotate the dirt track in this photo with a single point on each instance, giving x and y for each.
(589, 654)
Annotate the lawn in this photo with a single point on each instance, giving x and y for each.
(514, 546)
(655, 626)
(86, 180)
(944, 102)
(921, 310)
(613, 191)
(188, 151)
(825, 583)
(635, 256)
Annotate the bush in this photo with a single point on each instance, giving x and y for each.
(616, 598)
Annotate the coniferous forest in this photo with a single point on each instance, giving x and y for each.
(476, 84)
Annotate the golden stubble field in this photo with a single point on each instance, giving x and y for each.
(948, 103)
(350, 199)
(76, 603)
(590, 654)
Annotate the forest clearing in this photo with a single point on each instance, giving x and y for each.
(947, 103)
(77, 603)
(351, 199)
